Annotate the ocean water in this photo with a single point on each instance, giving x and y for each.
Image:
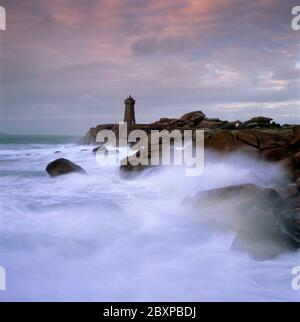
(100, 237)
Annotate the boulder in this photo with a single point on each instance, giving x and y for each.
(205, 124)
(295, 141)
(236, 125)
(251, 125)
(63, 166)
(258, 121)
(290, 191)
(222, 141)
(290, 223)
(254, 213)
(248, 137)
(194, 117)
(101, 148)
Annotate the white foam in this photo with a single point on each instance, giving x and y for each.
(98, 237)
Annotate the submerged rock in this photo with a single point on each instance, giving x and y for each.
(100, 149)
(63, 166)
(265, 223)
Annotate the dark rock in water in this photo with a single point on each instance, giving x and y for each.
(264, 247)
(295, 201)
(56, 152)
(290, 223)
(63, 166)
(265, 223)
(288, 192)
(101, 148)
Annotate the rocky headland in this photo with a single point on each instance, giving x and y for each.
(275, 211)
(259, 138)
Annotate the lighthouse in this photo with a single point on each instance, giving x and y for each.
(129, 116)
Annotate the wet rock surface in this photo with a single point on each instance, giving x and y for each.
(265, 223)
(63, 166)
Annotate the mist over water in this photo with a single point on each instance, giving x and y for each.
(100, 237)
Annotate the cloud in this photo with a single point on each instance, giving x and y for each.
(84, 57)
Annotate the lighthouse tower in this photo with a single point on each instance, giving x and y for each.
(129, 116)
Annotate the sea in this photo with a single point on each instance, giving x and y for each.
(102, 237)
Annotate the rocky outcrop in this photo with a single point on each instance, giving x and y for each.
(191, 120)
(259, 137)
(273, 145)
(63, 166)
(91, 135)
(265, 223)
(193, 117)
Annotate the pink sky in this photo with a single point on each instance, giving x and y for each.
(67, 65)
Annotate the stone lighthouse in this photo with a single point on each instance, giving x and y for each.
(129, 116)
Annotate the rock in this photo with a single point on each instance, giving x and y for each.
(194, 117)
(63, 166)
(205, 124)
(290, 223)
(165, 120)
(292, 190)
(87, 139)
(91, 135)
(252, 212)
(251, 125)
(273, 145)
(295, 201)
(297, 159)
(248, 137)
(232, 125)
(275, 125)
(298, 183)
(264, 247)
(213, 119)
(274, 154)
(56, 152)
(295, 142)
(101, 148)
(222, 141)
(259, 121)
(288, 166)
(180, 123)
